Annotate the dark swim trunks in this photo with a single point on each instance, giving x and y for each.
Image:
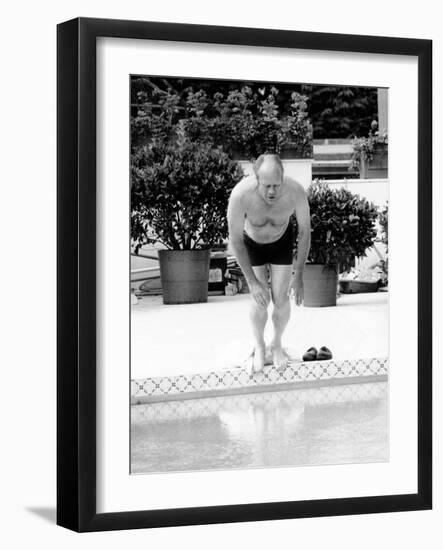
(279, 252)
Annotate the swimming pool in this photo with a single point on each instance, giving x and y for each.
(311, 426)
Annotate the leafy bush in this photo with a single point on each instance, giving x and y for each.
(180, 193)
(243, 122)
(383, 220)
(297, 127)
(342, 225)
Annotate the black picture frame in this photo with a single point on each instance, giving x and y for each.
(76, 278)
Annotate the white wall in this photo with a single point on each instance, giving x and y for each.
(376, 191)
(27, 224)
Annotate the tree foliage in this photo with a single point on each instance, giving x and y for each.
(334, 111)
(341, 111)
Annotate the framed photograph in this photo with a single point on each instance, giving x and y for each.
(244, 274)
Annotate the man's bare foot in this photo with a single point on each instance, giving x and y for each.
(258, 359)
(279, 357)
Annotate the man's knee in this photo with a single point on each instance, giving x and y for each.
(280, 301)
(255, 307)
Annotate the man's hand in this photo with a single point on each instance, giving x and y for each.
(296, 288)
(260, 293)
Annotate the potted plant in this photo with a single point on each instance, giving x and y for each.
(179, 196)
(342, 228)
(383, 221)
(370, 154)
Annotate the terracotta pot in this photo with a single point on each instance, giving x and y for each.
(320, 285)
(377, 167)
(356, 287)
(184, 275)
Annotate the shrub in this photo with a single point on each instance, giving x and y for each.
(242, 122)
(342, 225)
(383, 220)
(179, 194)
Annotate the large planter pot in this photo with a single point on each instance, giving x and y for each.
(184, 276)
(377, 167)
(320, 285)
(357, 287)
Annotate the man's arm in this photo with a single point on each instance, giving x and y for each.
(303, 217)
(236, 221)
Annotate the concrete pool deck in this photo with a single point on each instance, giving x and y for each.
(170, 340)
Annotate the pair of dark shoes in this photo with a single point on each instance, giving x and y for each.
(321, 355)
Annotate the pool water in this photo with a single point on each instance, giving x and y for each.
(316, 426)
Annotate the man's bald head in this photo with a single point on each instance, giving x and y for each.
(268, 167)
(268, 170)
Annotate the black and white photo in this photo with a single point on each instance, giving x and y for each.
(259, 274)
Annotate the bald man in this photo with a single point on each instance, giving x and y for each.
(261, 236)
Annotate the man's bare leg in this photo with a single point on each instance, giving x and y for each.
(280, 278)
(259, 316)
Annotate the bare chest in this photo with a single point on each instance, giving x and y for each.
(259, 214)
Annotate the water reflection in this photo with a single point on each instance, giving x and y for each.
(325, 425)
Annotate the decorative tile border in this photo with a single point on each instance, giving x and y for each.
(239, 379)
(190, 409)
